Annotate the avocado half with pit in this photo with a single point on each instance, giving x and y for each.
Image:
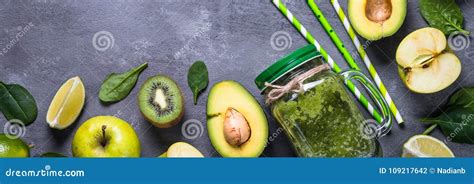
(236, 123)
(376, 19)
(425, 64)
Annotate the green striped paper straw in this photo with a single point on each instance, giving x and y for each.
(362, 99)
(334, 37)
(362, 54)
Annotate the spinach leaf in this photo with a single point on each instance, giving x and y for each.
(457, 119)
(117, 86)
(457, 124)
(443, 14)
(197, 78)
(17, 103)
(463, 97)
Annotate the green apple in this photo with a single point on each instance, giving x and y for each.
(425, 64)
(105, 136)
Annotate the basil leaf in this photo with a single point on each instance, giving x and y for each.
(443, 14)
(17, 103)
(457, 124)
(52, 154)
(197, 78)
(117, 86)
(463, 97)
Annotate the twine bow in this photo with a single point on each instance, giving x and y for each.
(295, 85)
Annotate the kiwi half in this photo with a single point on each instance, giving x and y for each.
(161, 101)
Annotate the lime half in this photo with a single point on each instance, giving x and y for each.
(13, 147)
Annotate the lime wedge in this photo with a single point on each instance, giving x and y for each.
(67, 104)
(425, 146)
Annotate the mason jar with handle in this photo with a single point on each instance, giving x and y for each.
(316, 111)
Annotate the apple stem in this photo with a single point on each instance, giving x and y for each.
(104, 141)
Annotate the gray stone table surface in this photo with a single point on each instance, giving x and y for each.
(45, 42)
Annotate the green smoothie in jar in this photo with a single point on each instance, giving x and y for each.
(319, 116)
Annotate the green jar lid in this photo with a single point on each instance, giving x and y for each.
(286, 64)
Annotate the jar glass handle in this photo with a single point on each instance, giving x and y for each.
(386, 124)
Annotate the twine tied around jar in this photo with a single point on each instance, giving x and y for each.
(295, 85)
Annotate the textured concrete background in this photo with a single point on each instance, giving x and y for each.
(233, 37)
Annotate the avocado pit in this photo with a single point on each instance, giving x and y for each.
(236, 128)
(378, 10)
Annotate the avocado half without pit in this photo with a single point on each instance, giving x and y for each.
(236, 122)
(376, 19)
(425, 64)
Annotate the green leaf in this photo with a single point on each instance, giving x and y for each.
(463, 97)
(197, 78)
(117, 86)
(443, 14)
(457, 124)
(52, 154)
(457, 119)
(17, 103)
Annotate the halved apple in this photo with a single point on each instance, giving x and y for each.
(181, 149)
(424, 62)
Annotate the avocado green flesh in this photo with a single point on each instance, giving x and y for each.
(230, 94)
(370, 29)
